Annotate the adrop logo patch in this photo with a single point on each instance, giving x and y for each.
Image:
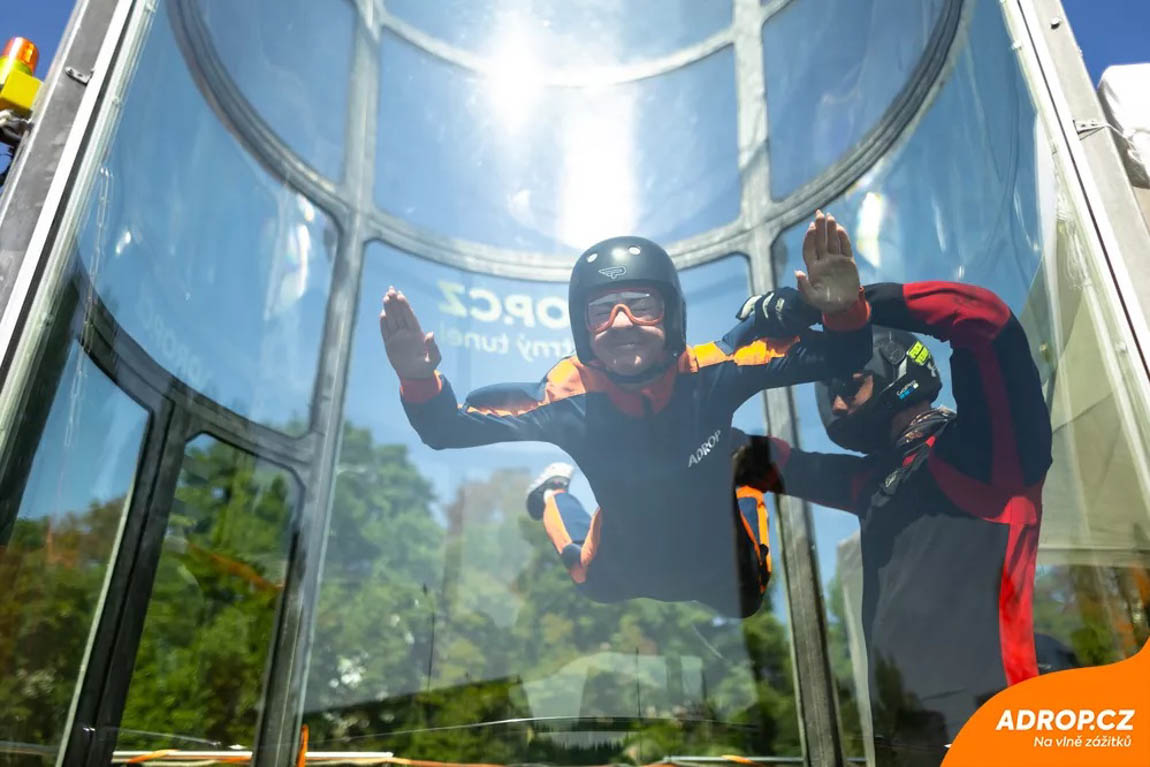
(613, 272)
(704, 449)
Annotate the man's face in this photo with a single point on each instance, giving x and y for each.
(626, 327)
(852, 394)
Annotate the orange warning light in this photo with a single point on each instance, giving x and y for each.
(23, 50)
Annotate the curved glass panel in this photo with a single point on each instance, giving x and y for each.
(211, 619)
(292, 61)
(451, 624)
(502, 162)
(832, 69)
(568, 35)
(444, 605)
(58, 536)
(972, 196)
(957, 201)
(218, 271)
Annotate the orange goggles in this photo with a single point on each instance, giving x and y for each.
(643, 307)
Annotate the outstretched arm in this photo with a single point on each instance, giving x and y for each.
(827, 292)
(773, 466)
(1002, 435)
(773, 344)
(504, 413)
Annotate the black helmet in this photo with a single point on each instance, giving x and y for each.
(904, 374)
(624, 261)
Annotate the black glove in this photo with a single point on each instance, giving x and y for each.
(780, 314)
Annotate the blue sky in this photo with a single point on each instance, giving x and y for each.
(41, 21)
(1110, 32)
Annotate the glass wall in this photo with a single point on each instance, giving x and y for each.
(275, 167)
(443, 605)
(507, 160)
(219, 271)
(209, 627)
(61, 531)
(973, 195)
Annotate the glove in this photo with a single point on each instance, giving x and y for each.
(779, 314)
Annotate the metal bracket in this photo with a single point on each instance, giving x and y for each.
(78, 76)
(1086, 127)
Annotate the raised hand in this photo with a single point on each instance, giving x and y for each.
(831, 281)
(410, 351)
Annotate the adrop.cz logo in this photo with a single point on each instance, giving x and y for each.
(1067, 719)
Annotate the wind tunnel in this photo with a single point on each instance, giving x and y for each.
(222, 539)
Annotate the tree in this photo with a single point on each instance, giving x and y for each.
(434, 625)
(52, 570)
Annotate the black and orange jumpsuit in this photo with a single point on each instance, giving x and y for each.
(658, 460)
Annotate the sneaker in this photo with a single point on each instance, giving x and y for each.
(557, 476)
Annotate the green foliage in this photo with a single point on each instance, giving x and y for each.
(434, 635)
(211, 618)
(445, 632)
(839, 648)
(52, 570)
(436, 626)
(1101, 613)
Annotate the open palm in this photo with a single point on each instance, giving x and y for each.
(831, 281)
(413, 353)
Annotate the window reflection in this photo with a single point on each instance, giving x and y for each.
(827, 92)
(218, 271)
(571, 35)
(292, 61)
(199, 671)
(444, 605)
(55, 551)
(506, 162)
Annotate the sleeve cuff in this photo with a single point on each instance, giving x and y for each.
(853, 318)
(420, 390)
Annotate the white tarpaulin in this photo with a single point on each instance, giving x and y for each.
(1125, 95)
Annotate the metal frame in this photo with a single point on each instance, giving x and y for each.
(759, 222)
(227, 100)
(178, 412)
(45, 166)
(176, 416)
(1103, 192)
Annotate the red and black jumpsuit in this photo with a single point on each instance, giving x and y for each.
(949, 522)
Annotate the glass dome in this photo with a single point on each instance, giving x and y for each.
(287, 556)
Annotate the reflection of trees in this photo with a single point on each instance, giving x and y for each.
(906, 732)
(51, 571)
(1101, 613)
(842, 669)
(428, 632)
(425, 628)
(211, 617)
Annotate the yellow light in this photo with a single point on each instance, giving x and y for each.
(20, 55)
(18, 92)
(18, 84)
